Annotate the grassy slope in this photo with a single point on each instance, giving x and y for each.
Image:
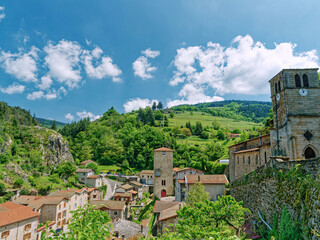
(206, 119)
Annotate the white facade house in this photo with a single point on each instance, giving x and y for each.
(83, 174)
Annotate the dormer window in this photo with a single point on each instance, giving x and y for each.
(305, 80)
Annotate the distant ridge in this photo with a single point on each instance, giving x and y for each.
(48, 123)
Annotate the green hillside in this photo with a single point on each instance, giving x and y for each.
(48, 123)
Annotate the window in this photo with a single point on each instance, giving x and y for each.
(279, 86)
(27, 227)
(275, 87)
(265, 157)
(64, 213)
(297, 80)
(151, 176)
(243, 160)
(238, 160)
(142, 176)
(27, 236)
(59, 216)
(115, 213)
(157, 172)
(59, 206)
(163, 182)
(59, 223)
(65, 204)
(5, 234)
(249, 160)
(305, 80)
(256, 159)
(63, 222)
(163, 153)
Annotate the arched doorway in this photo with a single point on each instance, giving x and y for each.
(309, 153)
(163, 193)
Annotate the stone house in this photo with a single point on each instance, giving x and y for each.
(18, 221)
(126, 197)
(165, 213)
(94, 194)
(247, 156)
(124, 188)
(213, 184)
(146, 177)
(115, 209)
(138, 187)
(83, 174)
(94, 181)
(180, 175)
(50, 208)
(163, 172)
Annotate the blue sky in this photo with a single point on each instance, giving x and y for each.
(70, 59)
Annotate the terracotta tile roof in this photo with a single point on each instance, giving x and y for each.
(11, 213)
(126, 194)
(147, 172)
(87, 161)
(133, 192)
(112, 205)
(169, 212)
(126, 187)
(94, 176)
(83, 170)
(163, 149)
(91, 189)
(181, 181)
(136, 183)
(189, 168)
(161, 205)
(36, 202)
(176, 169)
(247, 150)
(44, 226)
(207, 179)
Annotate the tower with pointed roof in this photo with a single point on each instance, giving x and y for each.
(163, 172)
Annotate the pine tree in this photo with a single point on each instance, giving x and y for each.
(154, 106)
(54, 125)
(160, 106)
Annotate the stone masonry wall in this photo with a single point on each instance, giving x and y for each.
(268, 190)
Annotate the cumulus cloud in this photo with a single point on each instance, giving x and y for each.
(12, 89)
(21, 65)
(135, 104)
(85, 114)
(45, 83)
(69, 117)
(242, 68)
(142, 67)
(36, 95)
(2, 14)
(104, 69)
(63, 61)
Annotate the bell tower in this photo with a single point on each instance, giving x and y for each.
(295, 95)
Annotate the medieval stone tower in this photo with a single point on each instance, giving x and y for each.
(163, 172)
(295, 95)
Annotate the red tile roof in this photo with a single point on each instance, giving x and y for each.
(94, 176)
(11, 213)
(207, 179)
(37, 202)
(163, 149)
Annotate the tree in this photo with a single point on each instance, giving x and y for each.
(86, 223)
(93, 166)
(203, 220)
(197, 193)
(2, 189)
(54, 125)
(199, 129)
(18, 183)
(154, 106)
(220, 135)
(160, 106)
(66, 169)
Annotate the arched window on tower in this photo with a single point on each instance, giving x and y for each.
(305, 80)
(279, 86)
(275, 87)
(297, 80)
(309, 153)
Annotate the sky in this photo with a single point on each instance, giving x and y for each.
(66, 60)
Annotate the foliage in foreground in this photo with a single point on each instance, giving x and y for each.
(86, 223)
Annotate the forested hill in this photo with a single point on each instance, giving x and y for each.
(255, 111)
(48, 123)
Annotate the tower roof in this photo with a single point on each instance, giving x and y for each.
(163, 149)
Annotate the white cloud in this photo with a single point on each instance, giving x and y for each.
(243, 68)
(21, 65)
(150, 53)
(2, 14)
(105, 69)
(85, 114)
(135, 104)
(69, 116)
(46, 82)
(63, 61)
(142, 68)
(36, 95)
(12, 89)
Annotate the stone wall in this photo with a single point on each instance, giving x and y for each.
(282, 184)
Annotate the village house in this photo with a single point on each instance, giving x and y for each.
(165, 213)
(94, 194)
(127, 197)
(213, 184)
(94, 181)
(83, 174)
(146, 177)
(138, 187)
(115, 209)
(50, 208)
(179, 174)
(86, 162)
(18, 221)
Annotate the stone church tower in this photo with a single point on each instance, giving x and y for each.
(163, 172)
(295, 94)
